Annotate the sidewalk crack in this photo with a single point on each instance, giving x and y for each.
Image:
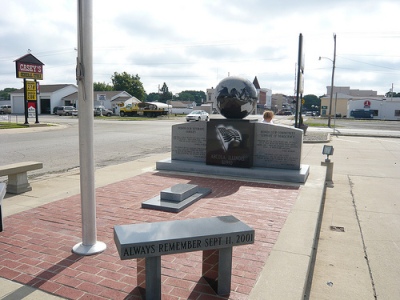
(362, 238)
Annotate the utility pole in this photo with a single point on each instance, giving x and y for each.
(299, 89)
(332, 81)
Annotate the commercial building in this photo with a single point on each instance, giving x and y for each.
(346, 100)
(382, 109)
(53, 95)
(50, 96)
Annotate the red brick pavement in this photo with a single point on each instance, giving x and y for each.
(35, 246)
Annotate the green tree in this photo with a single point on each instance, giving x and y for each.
(102, 86)
(165, 95)
(311, 101)
(130, 84)
(5, 94)
(197, 96)
(389, 94)
(153, 97)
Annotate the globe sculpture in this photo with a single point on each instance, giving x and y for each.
(236, 97)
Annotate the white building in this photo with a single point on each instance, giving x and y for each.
(340, 98)
(109, 99)
(54, 95)
(50, 96)
(383, 109)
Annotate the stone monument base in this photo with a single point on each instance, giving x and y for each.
(176, 198)
(287, 175)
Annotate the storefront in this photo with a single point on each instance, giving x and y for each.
(50, 96)
(382, 109)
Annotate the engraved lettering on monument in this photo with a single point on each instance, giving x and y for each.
(277, 146)
(130, 251)
(189, 141)
(186, 245)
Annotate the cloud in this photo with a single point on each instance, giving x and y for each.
(195, 44)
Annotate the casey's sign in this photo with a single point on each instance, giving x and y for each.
(28, 70)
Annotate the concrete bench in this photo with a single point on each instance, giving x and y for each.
(18, 177)
(2, 193)
(216, 236)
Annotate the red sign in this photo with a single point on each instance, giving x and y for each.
(29, 70)
(367, 103)
(31, 104)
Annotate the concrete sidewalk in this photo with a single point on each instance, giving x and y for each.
(358, 251)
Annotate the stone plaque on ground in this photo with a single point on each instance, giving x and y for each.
(189, 141)
(277, 146)
(230, 143)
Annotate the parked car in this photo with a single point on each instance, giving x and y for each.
(102, 111)
(362, 114)
(67, 111)
(56, 108)
(284, 113)
(197, 115)
(5, 109)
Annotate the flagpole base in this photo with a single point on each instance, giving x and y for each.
(81, 249)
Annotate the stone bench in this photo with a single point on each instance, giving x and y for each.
(18, 177)
(2, 193)
(216, 236)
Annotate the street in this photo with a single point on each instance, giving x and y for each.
(117, 141)
(357, 255)
(58, 146)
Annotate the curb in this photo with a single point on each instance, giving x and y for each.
(317, 137)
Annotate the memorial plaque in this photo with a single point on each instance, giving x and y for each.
(230, 143)
(169, 237)
(189, 141)
(277, 146)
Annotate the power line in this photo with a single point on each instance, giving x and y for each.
(366, 63)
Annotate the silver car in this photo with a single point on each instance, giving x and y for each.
(197, 115)
(102, 111)
(5, 109)
(67, 111)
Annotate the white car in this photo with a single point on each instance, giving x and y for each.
(5, 109)
(102, 111)
(197, 115)
(67, 111)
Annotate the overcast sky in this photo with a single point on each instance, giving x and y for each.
(194, 44)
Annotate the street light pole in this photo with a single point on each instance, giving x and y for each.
(332, 80)
(333, 77)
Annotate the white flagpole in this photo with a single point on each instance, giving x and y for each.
(84, 75)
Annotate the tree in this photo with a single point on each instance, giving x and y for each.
(311, 101)
(5, 94)
(165, 95)
(102, 86)
(153, 97)
(196, 96)
(129, 83)
(389, 94)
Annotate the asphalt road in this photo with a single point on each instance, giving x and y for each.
(58, 147)
(116, 141)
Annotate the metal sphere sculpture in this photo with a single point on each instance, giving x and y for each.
(236, 97)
